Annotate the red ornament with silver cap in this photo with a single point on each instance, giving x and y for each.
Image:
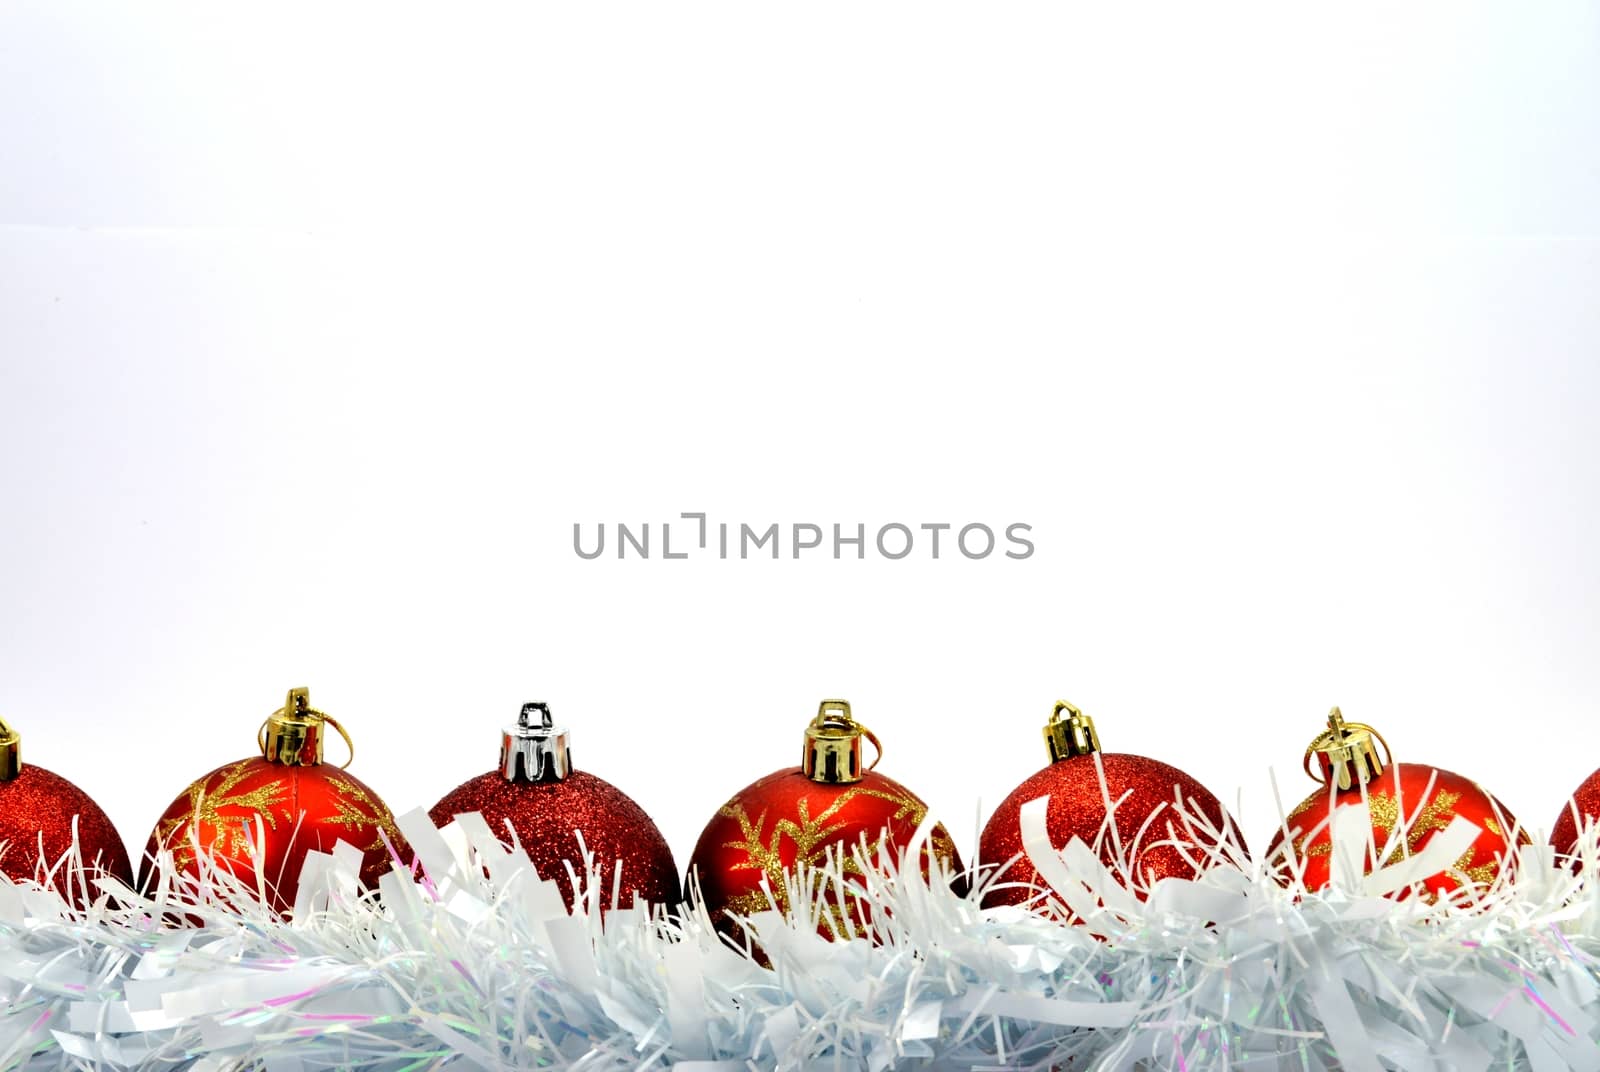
(560, 815)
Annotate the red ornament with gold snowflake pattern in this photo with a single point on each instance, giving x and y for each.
(798, 816)
(1409, 804)
(259, 817)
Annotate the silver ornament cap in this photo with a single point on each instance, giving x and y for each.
(535, 749)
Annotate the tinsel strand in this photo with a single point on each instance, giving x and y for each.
(471, 960)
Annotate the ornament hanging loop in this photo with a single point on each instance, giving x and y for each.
(832, 752)
(350, 746)
(539, 708)
(1346, 753)
(292, 735)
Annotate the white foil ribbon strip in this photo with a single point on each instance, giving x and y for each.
(1438, 854)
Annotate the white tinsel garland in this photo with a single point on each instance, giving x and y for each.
(476, 963)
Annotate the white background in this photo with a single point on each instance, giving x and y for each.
(321, 326)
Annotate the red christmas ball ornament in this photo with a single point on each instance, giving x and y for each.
(39, 814)
(536, 799)
(797, 816)
(258, 817)
(1156, 811)
(1410, 804)
(1582, 810)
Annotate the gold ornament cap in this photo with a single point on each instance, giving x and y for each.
(832, 753)
(535, 749)
(10, 752)
(1346, 753)
(1070, 736)
(293, 734)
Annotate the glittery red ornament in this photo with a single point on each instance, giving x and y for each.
(1584, 805)
(259, 817)
(1157, 839)
(537, 800)
(797, 815)
(1412, 798)
(39, 811)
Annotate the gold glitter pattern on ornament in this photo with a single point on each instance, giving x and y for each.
(1436, 798)
(358, 808)
(1435, 815)
(206, 801)
(811, 837)
(1385, 811)
(1483, 873)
